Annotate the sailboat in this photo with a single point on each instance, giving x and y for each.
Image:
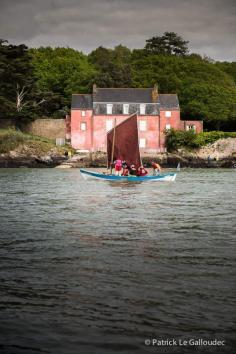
(123, 144)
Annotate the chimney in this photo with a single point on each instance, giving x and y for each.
(155, 93)
(94, 89)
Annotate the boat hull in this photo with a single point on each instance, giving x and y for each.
(166, 177)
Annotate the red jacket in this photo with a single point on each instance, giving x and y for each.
(142, 172)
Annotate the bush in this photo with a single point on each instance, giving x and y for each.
(179, 138)
(10, 139)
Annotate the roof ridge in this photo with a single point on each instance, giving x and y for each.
(124, 88)
(81, 94)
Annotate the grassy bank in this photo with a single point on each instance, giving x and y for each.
(11, 140)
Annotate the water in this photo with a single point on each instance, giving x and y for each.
(100, 267)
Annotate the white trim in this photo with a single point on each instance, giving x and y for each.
(142, 108)
(142, 143)
(168, 114)
(143, 125)
(125, 103)
(109, 108)
(125, 108)
(109, 124)
(112, 102)
(83, 126)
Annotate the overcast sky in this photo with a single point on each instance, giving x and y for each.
(208, 25)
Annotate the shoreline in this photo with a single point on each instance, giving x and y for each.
(166, 160)
(43, 154)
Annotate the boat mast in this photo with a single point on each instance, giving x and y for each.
(113, 145)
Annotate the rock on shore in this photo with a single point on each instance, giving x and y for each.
(222, 153)
(29, 156)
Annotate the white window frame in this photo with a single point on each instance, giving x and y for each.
(83, 126)
(109, 108)
(168, 126)
(83, 113)
(109, 124)
(142, 108)
(142, 125)
(125, 108)
(142, 142)
(167, 114)
(191, 127)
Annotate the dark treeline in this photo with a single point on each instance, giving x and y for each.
(39, 82)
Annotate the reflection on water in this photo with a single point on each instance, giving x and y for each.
(88, 267)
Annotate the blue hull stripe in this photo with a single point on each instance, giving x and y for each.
(123, 178)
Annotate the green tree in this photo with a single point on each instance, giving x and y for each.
(205, 92)
(170, 43)
(60, 72)
(229, 68)
(112, 65)
(17, 89)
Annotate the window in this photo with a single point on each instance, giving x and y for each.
(83, 113)
(109, 108)
(142, 125)
(125, 109)
(142, 142)
(109, 124)
(83, 126)
(168, 113)
(168, 126)
(191, 127)
(142, 108)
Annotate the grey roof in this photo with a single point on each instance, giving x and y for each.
(134, 95)
(168, 101)
(129, 95)
(82, 101)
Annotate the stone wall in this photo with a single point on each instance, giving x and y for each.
(49, 128)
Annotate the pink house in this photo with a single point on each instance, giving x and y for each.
(93, 115)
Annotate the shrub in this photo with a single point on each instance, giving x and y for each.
(179, 138)
(10, 139)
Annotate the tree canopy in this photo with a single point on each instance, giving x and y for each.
(39, 82)
(168, 44)
(17, 89)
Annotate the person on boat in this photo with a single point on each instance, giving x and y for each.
(132, 170)
(125, 170)
(141, 172)
(118, 167)
(156, 168)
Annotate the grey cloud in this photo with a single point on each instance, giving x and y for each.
(209, 25)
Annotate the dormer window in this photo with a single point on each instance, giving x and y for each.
(109, 108)
(168, 114)
(142, 108)
(126, 109)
